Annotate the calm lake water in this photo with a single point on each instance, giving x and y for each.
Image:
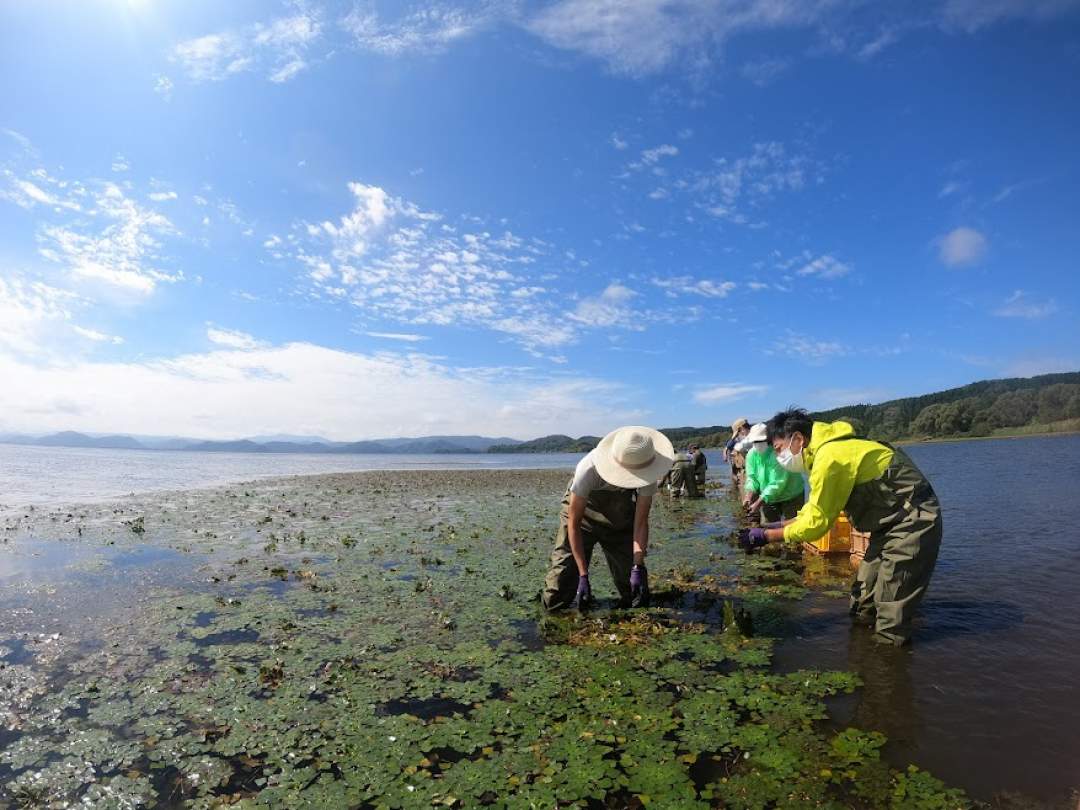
(70, 474)
(988, 697)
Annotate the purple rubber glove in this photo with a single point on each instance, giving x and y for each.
(639, 586)
(750, 539)
(583, 597)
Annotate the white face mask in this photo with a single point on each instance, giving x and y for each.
(792, 462)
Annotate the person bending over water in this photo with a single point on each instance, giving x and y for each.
(608, 502)
(883, 493)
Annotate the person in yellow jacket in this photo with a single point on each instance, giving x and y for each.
(883, 493)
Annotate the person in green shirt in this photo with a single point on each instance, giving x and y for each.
(770, 489)
(883, 493)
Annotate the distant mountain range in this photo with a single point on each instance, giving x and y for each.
(267, 444)
(1018, 406)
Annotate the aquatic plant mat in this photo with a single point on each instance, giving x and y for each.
(375, 641)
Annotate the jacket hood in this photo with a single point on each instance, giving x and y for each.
(825, 432)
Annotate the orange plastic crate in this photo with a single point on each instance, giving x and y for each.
(837, 541)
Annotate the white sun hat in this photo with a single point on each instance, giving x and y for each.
(634, 456)
(758, 433)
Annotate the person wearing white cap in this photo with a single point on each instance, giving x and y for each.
(770, 489)
(608, 502)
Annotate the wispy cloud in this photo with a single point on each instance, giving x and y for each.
(407, 337)
(278, 47)
(648, 36)
(686, 285)
(1022, 305)
(395, 261)
(825, 267)
(28, 311)
(961, 247)
(427, 30)
(972, 15)
(763, 72)
(727, 392)
(810, 350)
(230, 338)
(163, 86)
(119, 246)
(96, 336)
(93, 229)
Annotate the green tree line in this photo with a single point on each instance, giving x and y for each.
(1047, 403)
(992, 407)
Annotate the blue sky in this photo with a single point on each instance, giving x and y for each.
(373, 219)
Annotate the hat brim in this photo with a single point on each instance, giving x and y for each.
(758, 433)
(618, 475)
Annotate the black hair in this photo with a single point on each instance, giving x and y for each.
(793, 420)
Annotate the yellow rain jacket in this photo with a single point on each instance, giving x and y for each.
(835, 462)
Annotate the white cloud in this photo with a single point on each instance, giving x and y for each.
(94, 230)
(230, 338)
(278, 47)
(733, 189)
(689, 286)
(825, 267)
(727, 392)
(163, 86)
(162, 196)
(962, 246)
(120, 164)
(972, 15)
(646, 36)
(617, 142)
(651, 156)
(610, 308)
(763, 72)
(812, 351)
(303, 388)
(950, 188)
(407, 337)
(29, 312)
(1021, 305)
(400, 264)
(119, 246)
(427, 30)
(96, 336)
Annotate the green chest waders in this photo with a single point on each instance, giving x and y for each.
(609, 521)
(903, 516)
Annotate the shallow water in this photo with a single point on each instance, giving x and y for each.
(49, 475)
(988, 697)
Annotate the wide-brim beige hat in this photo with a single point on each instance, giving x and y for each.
(634, 456)
(758, 433)
(738, 425)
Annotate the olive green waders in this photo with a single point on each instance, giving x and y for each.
(784, 510)
(683, 481)
(609, 521)
(901, 512)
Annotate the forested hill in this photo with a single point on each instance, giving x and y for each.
(1044, 404)
(1047, 403)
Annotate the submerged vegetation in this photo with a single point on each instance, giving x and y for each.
(374, 640)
